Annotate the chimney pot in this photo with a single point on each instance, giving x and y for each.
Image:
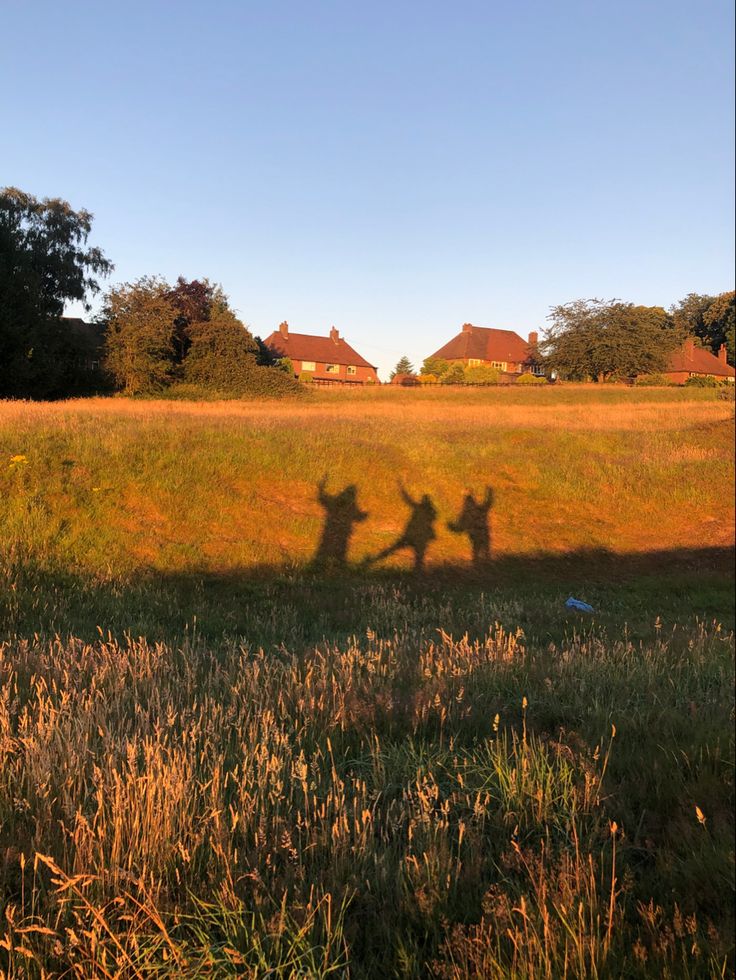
(284, 329)
(533, 338)
(722, 353)
(334, 335)
(467, 328)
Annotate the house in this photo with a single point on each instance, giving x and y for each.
(501, 349)
(690, 361)
(88, 341)
(321, 358)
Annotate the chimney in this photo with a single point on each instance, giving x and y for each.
(722, 353)
(467, 328)
(533, 338)
(284, 329)
(334, 335)
(689, 348)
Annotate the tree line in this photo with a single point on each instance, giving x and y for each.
(186, 338)
(150, 337)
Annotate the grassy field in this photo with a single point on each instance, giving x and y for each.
(234, 739)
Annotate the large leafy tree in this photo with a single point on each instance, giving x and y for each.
(45, 262)
(158, 334)
(608, 341)
(140, 320)
(711, 319)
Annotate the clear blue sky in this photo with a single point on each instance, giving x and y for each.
(392, 168)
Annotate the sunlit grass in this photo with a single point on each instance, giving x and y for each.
(216, 761)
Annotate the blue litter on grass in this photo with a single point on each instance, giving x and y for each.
(579, 605)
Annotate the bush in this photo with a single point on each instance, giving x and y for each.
(428, 379)
(306, 377)
(454, 376)
(481, 374)
(727, 393)
(531, 379)
(702, 381)
(653, 380)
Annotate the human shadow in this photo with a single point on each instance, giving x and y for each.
(417, 534)
(341, 515)
(473, 521)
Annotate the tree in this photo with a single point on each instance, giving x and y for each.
(454, 375)
(44, 263)
(608, 340)
(435, 365)
(720, 322)
(222, 355)
(404, 366)
(140, 328)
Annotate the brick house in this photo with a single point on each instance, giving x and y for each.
(321, 358)
(501, 349)
(691, 361)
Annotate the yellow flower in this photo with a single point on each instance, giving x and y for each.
(17, 461)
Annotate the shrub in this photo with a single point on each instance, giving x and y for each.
(428, 379)
(702, 381)
(727, 393)
(454, 376)
(653, 380)
(481, 374)
(306, 376)
(531, 379)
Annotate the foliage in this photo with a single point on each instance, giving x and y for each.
(608, 341)
(454, 375)
(428, 379)
(703, 381)
(286, 365)
(435, 365)
(481, 374)
(158, 335)
(306, 377)
(403, 366)
(531, 379)
(139, 319)
(656, 380)
(712, 319)
(44, 263)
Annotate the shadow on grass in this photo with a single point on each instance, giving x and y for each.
(301, 604)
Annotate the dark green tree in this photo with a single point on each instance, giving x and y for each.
(719, 321)
(44, 263)
(608, 341)
(140, 320)
(403, 366)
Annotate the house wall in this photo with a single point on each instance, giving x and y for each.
(680, 377)
(361, 375)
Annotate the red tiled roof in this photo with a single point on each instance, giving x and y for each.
(699, 361)
(306, 347)
(485, 344)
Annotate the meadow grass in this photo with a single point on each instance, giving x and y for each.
(218, 759)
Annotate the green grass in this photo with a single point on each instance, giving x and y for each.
(218, 760)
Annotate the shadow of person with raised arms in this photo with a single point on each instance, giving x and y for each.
(417, 534)
(341, 515)
(473, 521)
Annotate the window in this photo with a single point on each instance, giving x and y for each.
(499, 365)
(332, 368)
(352, 369)
(474, 361)
(309, 366)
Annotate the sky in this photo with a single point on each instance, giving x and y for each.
(395, 169)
